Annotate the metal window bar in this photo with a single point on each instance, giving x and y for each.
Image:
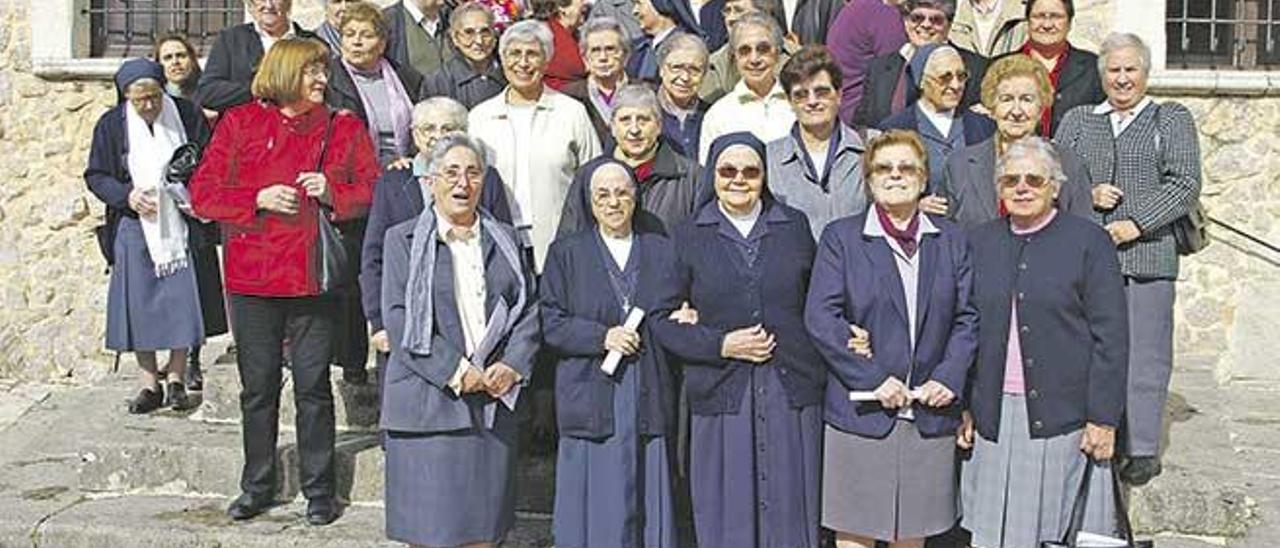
(1240, 34)
(128, 28)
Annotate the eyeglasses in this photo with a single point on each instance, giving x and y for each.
(936, 19)
(1010, 181)
(884, 169)
(1049, 16)
(683, 69)
(947, 78)
(470, 35)
(139, 101)
(821, 93)
(732, 172)
(433, 128)
(453, 176)
(761, 49)
(604, 195)
(315, 71)
(610, 50)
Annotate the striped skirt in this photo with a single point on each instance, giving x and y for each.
(1019, 491)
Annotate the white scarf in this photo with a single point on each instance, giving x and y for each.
(149, 151)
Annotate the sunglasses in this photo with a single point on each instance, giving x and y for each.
(761, 49)
(885, 169)
(1011, 181)
(935, 19)
(947, 78)
(732, 172)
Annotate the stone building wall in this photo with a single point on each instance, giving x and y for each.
(53, 286)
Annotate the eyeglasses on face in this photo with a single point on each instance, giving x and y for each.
(917, 18)
(949, 77)
(732, 172)
(817, 92)
(908, 169)
(1048, 16)
(685, 69)
(468, 176)
(1011, 180)
(437, 128)
(761, 49)
(470, 35)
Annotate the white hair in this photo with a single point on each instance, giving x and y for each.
(450, 142)
(1035, 148)
(529, 30)
(455, 113)
(1117, 41)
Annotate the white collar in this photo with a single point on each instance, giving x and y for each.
(416, 14)
(262, 33)
(1107, 108)
(745, 95)
(871, 226)
(906, 51)
(662, 35)
(443, 225)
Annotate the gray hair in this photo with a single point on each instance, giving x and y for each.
(637, 96)
(759, 20)
(591, 185)
(529, 30)
(1035, 148)
(603, 23)
(467, 8)
(945, 6)
(454, 111)
(680, 41)
(1117, 41)
(450, 142)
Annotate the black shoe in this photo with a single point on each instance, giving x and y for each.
(355, 376)
(176, 397)
(147, 400)
(322, 511)
(246, 506)
(1140, 470)
(193, 377)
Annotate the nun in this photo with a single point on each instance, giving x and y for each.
(152, 300)
(461, 314)
(614, 392)
(753, 379)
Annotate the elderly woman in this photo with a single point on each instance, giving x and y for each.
(659, 19)
(905, 278)
(1145, 161)
(605, 48)
(474, 75)
(400, 195)
(563, 17)
(462, 321)
(1047, 388)
(946, 127)
(817, 168)
(268, 200)
(757, 104)
(682, 62)
(237, 54)
(536, 136)
(668, 186)
(1015, 90)
(1073, 74)
(152, 303)
(614, 393)
(753, 379)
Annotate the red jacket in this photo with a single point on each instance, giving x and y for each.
(255, 146)
(566, 65)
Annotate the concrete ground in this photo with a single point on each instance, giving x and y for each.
(77, 470)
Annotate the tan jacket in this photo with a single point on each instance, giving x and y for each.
(1009, 34)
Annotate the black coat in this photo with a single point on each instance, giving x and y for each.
(812, 18)
(882, 78)
(343, 94)
(458, 80)
(232, 63)
(665, 199)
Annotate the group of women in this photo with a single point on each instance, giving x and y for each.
(796, 320)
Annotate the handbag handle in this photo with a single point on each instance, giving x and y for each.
(324, 152)
(1082, 500)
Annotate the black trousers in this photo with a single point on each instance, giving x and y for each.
(262, 326)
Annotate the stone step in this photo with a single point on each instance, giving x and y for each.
(355, 407)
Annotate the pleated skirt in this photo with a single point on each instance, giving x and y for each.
(1019, 491)
(146, 313)
(900, 487)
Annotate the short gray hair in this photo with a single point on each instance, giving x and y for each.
(1117, 41)
(529, 30)
(1036, 148)
(680, 41)
(755, 19)
(456, 113)
(450, 142)
(603, 23)
(637, 96)
(591, 184)
(466, 8)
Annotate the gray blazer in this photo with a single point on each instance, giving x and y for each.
(969, 185)
(1156, 163)
(793, 183)
(416, 396)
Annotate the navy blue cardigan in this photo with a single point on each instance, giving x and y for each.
(856, 281)
(728, 298)
(578, 308)
(1073, 325)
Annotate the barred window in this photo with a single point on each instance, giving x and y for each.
(1223, 34)
(128, 28)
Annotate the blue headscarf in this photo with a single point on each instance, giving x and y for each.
(680, 12)
(136, 69)
(707, 183)
(577, 216)
(921, 58)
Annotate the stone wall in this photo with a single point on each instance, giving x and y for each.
(53, 286)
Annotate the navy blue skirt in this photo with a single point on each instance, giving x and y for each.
(146, 313)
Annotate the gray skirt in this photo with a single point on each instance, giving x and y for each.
(896, 488)
(1019, 491)
(146, 313)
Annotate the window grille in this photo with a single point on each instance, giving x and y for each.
(1223, 34)
(128, 28)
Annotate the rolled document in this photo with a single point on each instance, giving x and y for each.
(870, 395)
(613, 358)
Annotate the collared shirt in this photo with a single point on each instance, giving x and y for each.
(1120, 120)
(768, 118)
(468, 286)
(743, 223)
(941, 120)
(430, 25)
(269, 40)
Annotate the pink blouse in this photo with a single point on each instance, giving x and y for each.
(1014, 382)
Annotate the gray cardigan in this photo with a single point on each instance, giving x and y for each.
(1156, 163)
(792, 183)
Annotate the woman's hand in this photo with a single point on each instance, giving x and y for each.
(1106, 196)
(934, 205)
(964, 434)
(751, 344)
(859, 341)
(143, 202)
(472, 381)
(400, 163)
(282, 199)
(1123, 231)
(316, 186)
(1098, 441)
(935, 394)
(893, 394)
(380, 341)
(499, 378)
(685, 315)
(622, 340)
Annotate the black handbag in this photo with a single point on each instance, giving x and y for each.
(332, 254)
(1070, 537)
(183, 163)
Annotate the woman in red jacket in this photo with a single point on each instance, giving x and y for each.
(259, 179)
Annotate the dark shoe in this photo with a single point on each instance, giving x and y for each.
(1140, 470)
(355, 376)
(193, 377)
(322, 511)
(246, 507)
(176, 397)
(147, 400)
